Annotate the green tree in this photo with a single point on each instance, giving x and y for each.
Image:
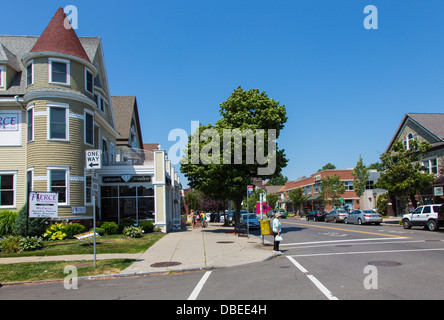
(332, 189)
(328, 166)
(404, 174)
(278, 181)
(272, 198)
(360, 174)
(222, 160)
(297, 197)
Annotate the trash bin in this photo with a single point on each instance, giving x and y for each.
(265, 227)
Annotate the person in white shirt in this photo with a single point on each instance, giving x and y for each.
(276, 231)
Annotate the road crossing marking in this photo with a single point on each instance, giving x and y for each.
(363, 252)
(313, 279)
(331, 241)
(199, 286)
(348, 230)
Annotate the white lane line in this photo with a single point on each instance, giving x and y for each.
(330, 241)
(199, 286)
(321, 287)
(313, 279)
(359, 244)
(363, 252)
(297, 264)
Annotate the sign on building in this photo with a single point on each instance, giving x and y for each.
(93, 159)
(43, 204)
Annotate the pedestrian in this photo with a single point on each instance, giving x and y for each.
(276, 231)
(193, 220)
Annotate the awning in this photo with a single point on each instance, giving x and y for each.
(314, 197)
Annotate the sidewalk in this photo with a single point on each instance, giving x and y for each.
(202, 248)
(192, 249)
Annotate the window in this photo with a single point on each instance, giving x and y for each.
(105, 156)
(58, 122)
(59, 71)
(89, 128)
(348, 185)
(30, 73)
(369, 185)
(408, 139)
(88, 188)
(2, 76)
(89, 81)
(30, 124)
(431, 165)
(7, 194)
(58, 182)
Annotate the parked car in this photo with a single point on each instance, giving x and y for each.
(429, 216)
(251, 220)
(271, 213)
(363, 216)
(315, 215)
(336, 216)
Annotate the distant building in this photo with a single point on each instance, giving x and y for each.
(423, 127)
(312, 187)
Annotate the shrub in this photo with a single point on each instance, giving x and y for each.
(7, 221)
(147, 226)
(31, 243)
(72, 229)
(10, 244)
(56, 232)
(125, 223)
(36, 226)
(110, 227)
(133, 232)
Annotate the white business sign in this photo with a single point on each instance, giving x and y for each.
(93, 159)
(43, 204)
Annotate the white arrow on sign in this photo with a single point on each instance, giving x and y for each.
(93, 159)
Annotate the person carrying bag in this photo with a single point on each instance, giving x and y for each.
(277, 228)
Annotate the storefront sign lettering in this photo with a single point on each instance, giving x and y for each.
(120, 179)
(8, 122)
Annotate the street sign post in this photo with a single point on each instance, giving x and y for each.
(93, 159)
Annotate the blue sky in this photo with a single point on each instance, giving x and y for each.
(345, 88)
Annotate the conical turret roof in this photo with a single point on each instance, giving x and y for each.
(57, 38)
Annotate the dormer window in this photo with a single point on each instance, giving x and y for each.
(2, 76)
(30, 73)
(59, 71)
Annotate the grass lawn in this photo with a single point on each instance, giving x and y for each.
(34, 271)
(106, 244)
(55, 269)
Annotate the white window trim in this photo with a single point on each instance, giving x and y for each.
(32, 73)
(107, 146)
(87, 174)
(14, 186)
(68, 71)
(429, 168)
(48, 120)
(2, 76)
(86, 82)
(48, 175)
(347, 184)
(84, 127)
(30, 108)
(31, 169)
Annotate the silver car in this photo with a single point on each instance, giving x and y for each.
(336, 216)
(363, 216)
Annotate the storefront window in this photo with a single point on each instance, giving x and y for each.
(127, 202)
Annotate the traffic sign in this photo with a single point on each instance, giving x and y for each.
(250, 190)
(93, 159)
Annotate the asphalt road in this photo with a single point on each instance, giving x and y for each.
(320, 261)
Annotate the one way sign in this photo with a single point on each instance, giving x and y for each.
(93, 159)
